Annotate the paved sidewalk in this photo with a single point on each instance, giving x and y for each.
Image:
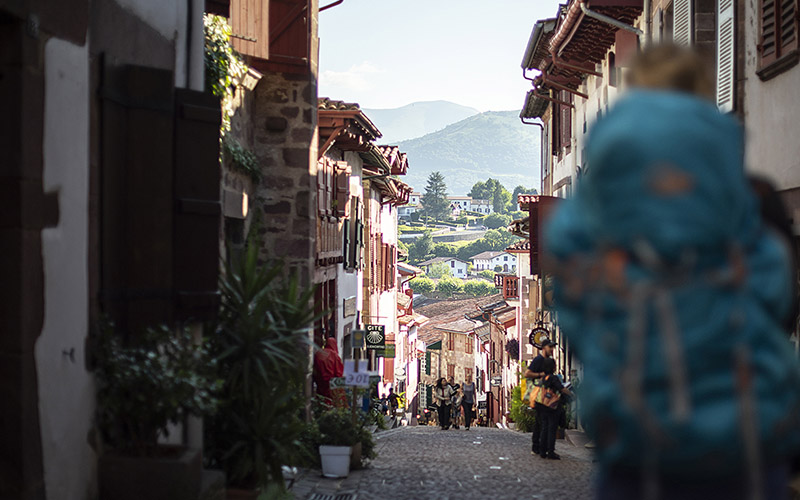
(417, 463)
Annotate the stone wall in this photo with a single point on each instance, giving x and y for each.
(285, 143)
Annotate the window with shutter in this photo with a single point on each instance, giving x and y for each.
(682, 22)
(725, 55)
(778, 49)
(321, 186)
(566, 122)
(342, 189)
(346, 246)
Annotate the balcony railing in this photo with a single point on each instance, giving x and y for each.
(508, 283)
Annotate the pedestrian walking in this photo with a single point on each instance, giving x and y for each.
(394, 403)
(442, 393)
(548, 409)
(468, 401)
(535, 373)
(454, 405)
(674, 292)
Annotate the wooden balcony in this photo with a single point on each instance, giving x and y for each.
(509, 284)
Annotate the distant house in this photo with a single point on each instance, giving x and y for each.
(482, 206)
(490, 260)
(458, 267)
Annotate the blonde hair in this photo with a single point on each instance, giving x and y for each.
(670, 67)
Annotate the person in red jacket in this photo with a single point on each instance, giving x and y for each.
(327, 365)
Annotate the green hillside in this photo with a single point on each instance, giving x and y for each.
(417, 119)
(492, 144)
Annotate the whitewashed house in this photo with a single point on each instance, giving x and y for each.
(490, 260)
(458, 267)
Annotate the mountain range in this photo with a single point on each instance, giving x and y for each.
(417, 119)
(492, 144)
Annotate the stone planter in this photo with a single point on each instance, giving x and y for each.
(176, 473)
(335, 460)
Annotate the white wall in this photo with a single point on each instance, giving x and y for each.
(170, 20)
(770, 114)
(66, 390)
(348, 283)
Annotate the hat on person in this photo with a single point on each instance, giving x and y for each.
(547, 342)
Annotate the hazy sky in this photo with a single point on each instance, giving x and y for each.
(388, 53)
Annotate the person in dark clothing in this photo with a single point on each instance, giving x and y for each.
(548, 409)
(442, 393)
(468, 401)
(394, 403)
(535, 373)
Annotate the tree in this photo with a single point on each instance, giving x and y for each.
(439, 270)
(521, 190)
(434, 201)
(449, 286)
(444, 250)
(496, 221)
(422, 285)
(494, 192)
(420, 248)
(478, 288)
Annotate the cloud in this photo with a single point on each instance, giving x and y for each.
(359, 77)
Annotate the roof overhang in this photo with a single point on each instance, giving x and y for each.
(538, 43)
(535, 105)
(345, 125)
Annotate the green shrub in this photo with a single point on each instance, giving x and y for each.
(422, 285)
(450, 286)
(522, 414)
(478, 288)
(414, 216)
(487, 274)
(496, 221)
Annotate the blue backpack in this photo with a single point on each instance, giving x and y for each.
(671, 291)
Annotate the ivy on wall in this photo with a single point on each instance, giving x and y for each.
(224, 69)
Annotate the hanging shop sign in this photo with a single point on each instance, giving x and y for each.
(537, 336)
(375, 337)
(388, 351)
(496, 381)
(358, 338)
(349, 306)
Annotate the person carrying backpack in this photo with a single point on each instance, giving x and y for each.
(672, 292)
(548, 409)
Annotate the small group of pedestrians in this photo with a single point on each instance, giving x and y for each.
(546, 391)
(451, 399)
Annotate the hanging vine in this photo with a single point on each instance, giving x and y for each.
(224, 69)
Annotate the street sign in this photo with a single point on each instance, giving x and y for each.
(337, 382)
(359, 377)
(375, 337)
(358, 338)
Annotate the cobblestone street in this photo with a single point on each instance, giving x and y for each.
(483, 463)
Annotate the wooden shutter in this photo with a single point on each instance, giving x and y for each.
(768, 31)
(342, 189)
(346, 252)
(726, 43)
(682, 22)
(197, 205)
(250, 27)
(788, 26)
(136, 196)
(321, 185)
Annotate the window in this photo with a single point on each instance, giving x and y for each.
(452, 263)
(467, 374)
(778, 46)
(505, 259)
(451, 370)
(469, 346)
(451, 342)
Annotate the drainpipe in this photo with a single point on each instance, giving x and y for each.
(647, 22)
(334, 4)
(610, 20)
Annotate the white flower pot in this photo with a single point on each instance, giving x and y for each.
(335, 460)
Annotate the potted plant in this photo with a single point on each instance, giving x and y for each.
(262, 350)
(338, 434)
(144, 383)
